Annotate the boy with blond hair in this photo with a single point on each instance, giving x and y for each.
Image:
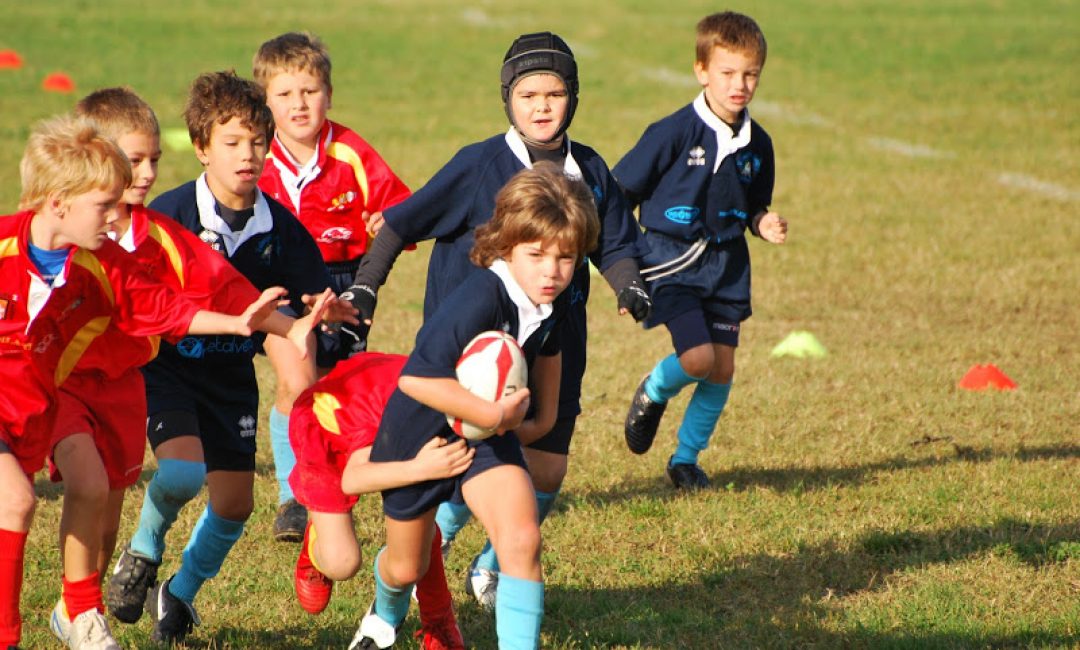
(100, 435)
(62, 284)
(202, 394)
(701, 177)
(331, 179)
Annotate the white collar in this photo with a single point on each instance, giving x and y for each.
(529, 315)
(262, 221)
(521, 152)
(727, 142)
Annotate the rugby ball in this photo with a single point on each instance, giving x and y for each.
(491, 367)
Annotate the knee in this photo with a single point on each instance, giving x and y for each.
(340, 563)
(88, 494)
(236, 507)
(179, 481)
(548, 477)
(17, 509)
(697, 362)
(403, 571)
(518, 545)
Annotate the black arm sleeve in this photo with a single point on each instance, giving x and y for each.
(380, 258)
(622, 273)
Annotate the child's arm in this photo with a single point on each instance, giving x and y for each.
(212, 322)
(771, 227)
(437, 459)
(547, 375)
(450, 397)
(298, 329)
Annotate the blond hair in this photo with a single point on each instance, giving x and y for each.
(67, 156)
(293, 51)
(731, 31)
(118, 112)
(539, 204)
(217, 97)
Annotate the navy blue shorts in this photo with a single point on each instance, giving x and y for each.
(217, 402)
(693, 328)
(557, 441)
(412, 501)
(717, 284)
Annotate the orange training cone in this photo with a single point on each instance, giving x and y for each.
(58, 82)
(10, 60)
(981, 377)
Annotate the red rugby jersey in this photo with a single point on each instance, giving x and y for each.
(176, 257)
(352, 178)
(349, 401)
(52, 327)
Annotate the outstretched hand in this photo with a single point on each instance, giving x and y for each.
(773, 228)
(267, 302)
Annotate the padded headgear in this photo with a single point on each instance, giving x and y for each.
(541, 52)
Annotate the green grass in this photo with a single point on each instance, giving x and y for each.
(862, 500)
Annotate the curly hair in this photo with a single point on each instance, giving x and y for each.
(539, 204)
(217, 97)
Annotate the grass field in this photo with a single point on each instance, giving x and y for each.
(929, 163)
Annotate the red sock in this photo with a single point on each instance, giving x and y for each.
(12, 548)
(432, 592)
(83, 595)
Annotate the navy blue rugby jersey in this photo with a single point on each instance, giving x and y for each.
(687, 187)
(274, 249)
(461, 196)
(482, 304)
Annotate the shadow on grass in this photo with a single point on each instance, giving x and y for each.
(804, 479)
(788, 601)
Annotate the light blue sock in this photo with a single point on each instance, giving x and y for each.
(667, 379)
(451, 518)
(210, 542)
(174, 483)
(519, 610)
(544, 502)
(391, 605)
(284, 458)
(699, 421)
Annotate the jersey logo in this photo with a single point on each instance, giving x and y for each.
(266, 249)
(598, 193)
(5, 303)
(213, 239)
(44, 343)
(682, 214)
(336, 233)
(191, 347)
(748, 165)
(247, 426)
(697, 157)
(342, 202)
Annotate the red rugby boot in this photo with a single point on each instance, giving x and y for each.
(313, 589)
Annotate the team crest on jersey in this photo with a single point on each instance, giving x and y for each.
(247, 426)
(44, 343)
(697, 157)
(748, 165)
(5, 305)
(336, 233)
(342, 201)
(213, 239)
(265, 246)
(598, 193)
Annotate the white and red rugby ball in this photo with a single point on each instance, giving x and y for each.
(492, 366)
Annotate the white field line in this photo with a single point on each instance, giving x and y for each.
(909, 149)
(1032, 184)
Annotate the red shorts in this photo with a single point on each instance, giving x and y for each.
(31, 447)
(321, 457)
(113, 412)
